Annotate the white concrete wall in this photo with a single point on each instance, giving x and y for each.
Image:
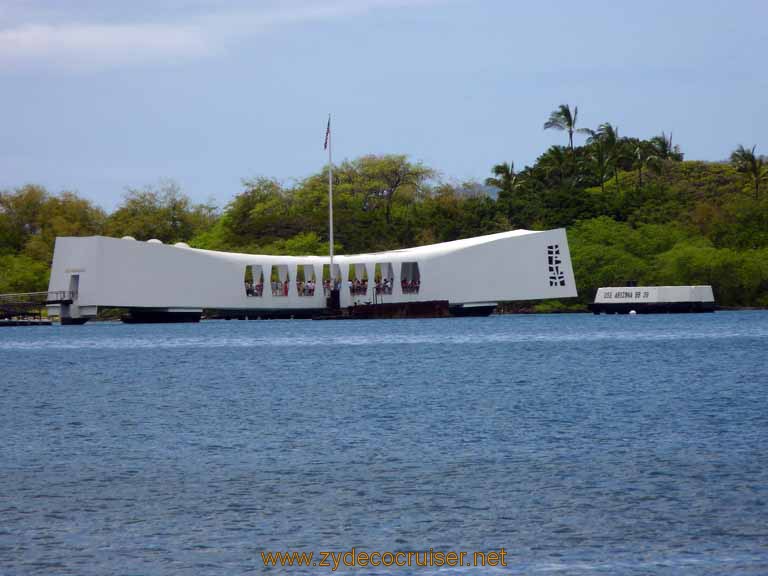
(126, 273)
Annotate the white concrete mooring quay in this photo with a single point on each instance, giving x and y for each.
(653, 299)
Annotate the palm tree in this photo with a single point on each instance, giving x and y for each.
(664, 149)
(609, 134)
(563, 119)
(754, 166)
(644, 158)
(505, 177)
(598, 159)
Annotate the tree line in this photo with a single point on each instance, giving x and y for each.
(635, 210)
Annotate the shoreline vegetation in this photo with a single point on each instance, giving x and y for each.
(635, 210)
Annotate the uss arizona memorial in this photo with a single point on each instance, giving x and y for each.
(170, 282)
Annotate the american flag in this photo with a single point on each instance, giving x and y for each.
(327, 133)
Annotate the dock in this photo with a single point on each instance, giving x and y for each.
(26, 308)
(653, 300)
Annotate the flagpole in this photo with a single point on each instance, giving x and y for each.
(330, 201)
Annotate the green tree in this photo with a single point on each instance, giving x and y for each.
(66, 214)
(598, 159)
(563, 119)
(644, 157)
(303, 244)
(373, 205)
(753, 166)
(31, 219)
(609, 134)
(664, 149)
(163, 213)
(20, 273)
(504, 177)
(382, 177)
(556, 164)
(20, 215)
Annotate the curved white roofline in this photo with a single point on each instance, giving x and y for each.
(399, 255)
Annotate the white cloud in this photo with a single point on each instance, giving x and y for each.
(99, 45)
(77, 45)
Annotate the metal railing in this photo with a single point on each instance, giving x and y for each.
(38, 297)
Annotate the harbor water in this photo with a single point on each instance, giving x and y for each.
(580, 444)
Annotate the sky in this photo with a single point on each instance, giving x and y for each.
(99, 97)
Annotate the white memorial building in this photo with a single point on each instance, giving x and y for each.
(169, 281)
